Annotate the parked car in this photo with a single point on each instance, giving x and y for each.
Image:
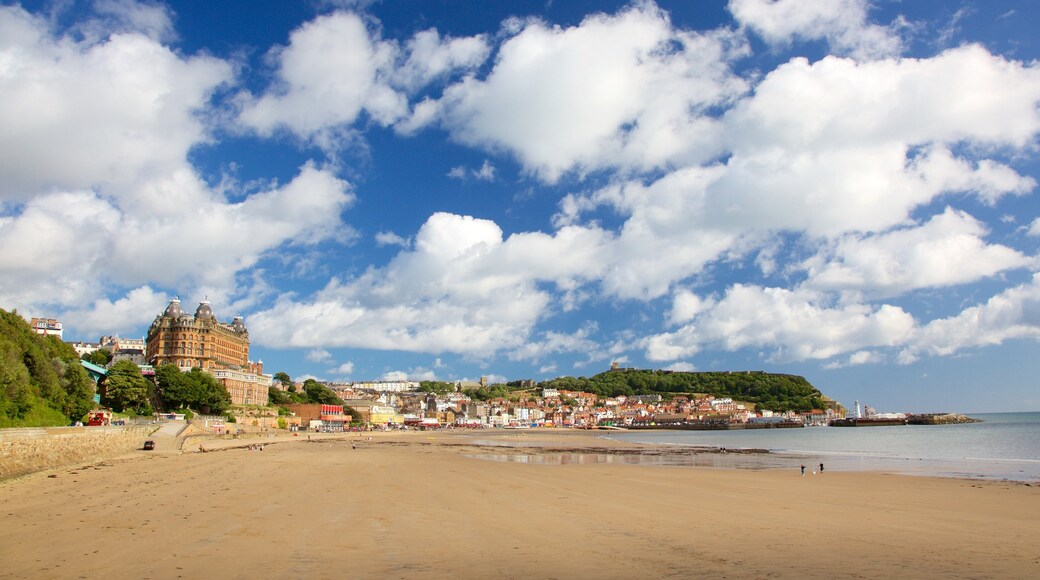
(149, 445)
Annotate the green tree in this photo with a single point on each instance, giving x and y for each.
(101, 357)
(439, 387)
(125, 388)
(284, 379)
(175, 388)
(276, 396)
(212, 397)
(41, 379)
(319, 393)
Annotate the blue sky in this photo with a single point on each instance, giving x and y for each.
(447, 190)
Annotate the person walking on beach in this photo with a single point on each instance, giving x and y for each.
(803, 471)
(821, 468)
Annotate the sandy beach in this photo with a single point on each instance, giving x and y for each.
(419, 505)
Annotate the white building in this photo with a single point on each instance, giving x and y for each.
(387, 386)
(46, 326)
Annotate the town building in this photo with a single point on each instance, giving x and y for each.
(46, 326)
(201, 341)
(386, 386)
(187, 341)
(84, 348)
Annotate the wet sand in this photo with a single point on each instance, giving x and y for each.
(418, 505)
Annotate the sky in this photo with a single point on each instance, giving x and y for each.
(840, 189)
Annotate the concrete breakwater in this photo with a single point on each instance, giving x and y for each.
(25, 451)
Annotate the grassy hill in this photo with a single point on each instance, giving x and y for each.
(775, 392)
(41, 379)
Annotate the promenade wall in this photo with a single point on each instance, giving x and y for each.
(25, 451)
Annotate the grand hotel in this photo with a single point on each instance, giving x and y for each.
(200, 341)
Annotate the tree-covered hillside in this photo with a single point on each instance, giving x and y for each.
(774, 392)
(41, 379)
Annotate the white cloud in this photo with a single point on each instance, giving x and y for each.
(486, 172)
(795, 325)
(832, 149)
(96, 137)
(685, 306)
(1034, 228)
(838, 146)
(855, 359)
(450, 294)
(947, 250)
(345, 369)
(842, 23)
(619, 90)
(335, 67)
(79, 115)
(121, 317)
(1012, 314)
(153, 20)
(390, 239)
(331, 70)
(318, 355)
(681, 367)
(552, 343)
(305, 210)
(462, 289)
(430, 57)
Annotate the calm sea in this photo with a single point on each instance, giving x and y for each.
(1003, 446)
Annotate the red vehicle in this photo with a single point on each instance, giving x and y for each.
(98, 418)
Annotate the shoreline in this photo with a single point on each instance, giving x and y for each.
(417, 505)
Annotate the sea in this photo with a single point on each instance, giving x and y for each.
(1003, 446)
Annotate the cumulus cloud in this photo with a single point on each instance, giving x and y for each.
(1011, 314)
(1034, 228)
(857, 358)
(79, 115)
(318, 355)
(618, 90)
(793, 325)
(552, 343)
(395, 376)
(842, 23)
(431, 57)
(98, 181)
(830, 149)
(345, 369)
(947, 250)
(446, 295)
(122, 316)
(332, 69)
(390, 239)
(486, 172)
(462, 289)
(153, 20)
(336, 66)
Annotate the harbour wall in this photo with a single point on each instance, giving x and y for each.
(25, 451)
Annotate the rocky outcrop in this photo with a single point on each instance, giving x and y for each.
(939, 419)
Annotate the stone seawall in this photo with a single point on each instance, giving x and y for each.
(25, 451)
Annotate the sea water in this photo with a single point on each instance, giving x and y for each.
(1002, 446)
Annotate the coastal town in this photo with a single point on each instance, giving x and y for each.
(258, 401)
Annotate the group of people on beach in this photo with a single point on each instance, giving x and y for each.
(803, 469)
